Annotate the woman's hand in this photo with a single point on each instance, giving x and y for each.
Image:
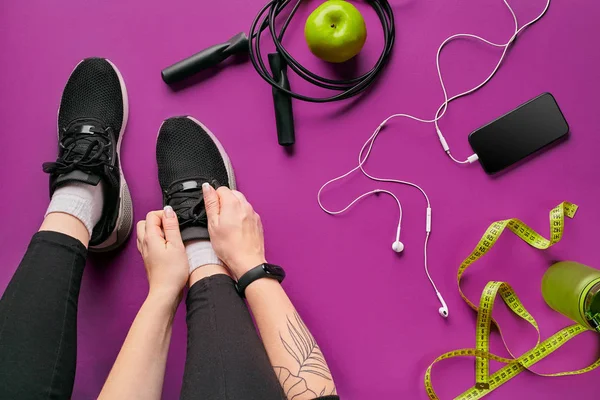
(159, 242)
(236, 232)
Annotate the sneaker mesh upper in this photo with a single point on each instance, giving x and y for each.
(185, 151)
(93, 91)
(92, 96)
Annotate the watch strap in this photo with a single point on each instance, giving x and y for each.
(261, 271)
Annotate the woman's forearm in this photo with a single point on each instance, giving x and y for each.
(293, 351)
(138, 372)
(236, 234)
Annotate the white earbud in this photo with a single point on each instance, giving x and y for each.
(443, 310)
(398, 246)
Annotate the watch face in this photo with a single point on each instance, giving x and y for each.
(274, 270)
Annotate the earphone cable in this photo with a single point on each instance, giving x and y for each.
(368, 145)
(443, 108)
(427, 265)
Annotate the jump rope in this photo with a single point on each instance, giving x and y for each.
(280, 60)
(367, 147)
(346, 87)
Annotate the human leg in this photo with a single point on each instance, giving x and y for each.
(225, 357)
(38, 315)
(90, 205)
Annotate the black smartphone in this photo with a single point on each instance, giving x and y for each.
(518, 134)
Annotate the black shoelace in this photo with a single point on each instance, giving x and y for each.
(89, 152)
(188, 203)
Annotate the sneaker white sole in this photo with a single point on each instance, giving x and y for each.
(124, 224)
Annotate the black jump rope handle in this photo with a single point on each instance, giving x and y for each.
(216, 54)
(284, 117)
(205, 59)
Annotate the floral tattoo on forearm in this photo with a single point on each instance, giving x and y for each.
(299, 383)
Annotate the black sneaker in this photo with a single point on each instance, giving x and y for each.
(91, 121)
(188, 155)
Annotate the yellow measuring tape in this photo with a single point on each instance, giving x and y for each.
(484, 382)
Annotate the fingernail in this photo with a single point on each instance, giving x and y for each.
(169, 213)
(205, 187)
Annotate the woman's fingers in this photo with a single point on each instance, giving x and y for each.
(240, 196)
(141, 231)
(154, 224)
(170, 225)
(246, 206)
(211, 202)
(227, 198)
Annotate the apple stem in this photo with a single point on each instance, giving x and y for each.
(333, 25)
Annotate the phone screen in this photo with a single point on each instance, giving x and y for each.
(518, 134)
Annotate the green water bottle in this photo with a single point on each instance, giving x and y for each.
(573, 290)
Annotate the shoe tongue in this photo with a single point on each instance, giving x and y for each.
(194, 233)
(76, 176)
(188, 195)
(192, 202)
(90, 132)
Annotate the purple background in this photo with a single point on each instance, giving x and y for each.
(373, 312)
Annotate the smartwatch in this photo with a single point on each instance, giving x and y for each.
(262, 271)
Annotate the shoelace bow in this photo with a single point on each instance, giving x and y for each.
(188, 204)
(88, 152)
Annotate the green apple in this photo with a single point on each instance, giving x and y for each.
(335, 31)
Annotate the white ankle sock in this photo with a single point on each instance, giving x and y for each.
(80, 200)
(200, 252)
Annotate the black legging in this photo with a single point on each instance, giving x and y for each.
(38, 332)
